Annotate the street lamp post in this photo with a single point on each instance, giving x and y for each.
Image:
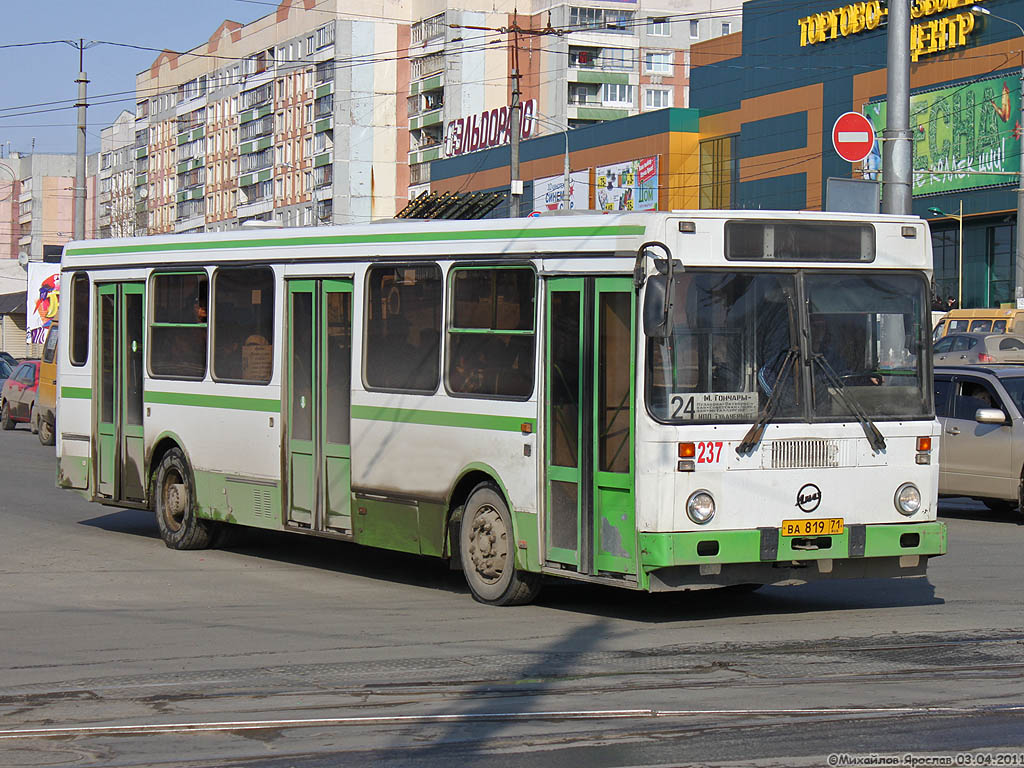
(565, 170)
(1019, 262)
(959, 249)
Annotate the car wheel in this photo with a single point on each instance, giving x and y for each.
(6, 422)
(487, 550)
(174, 501)
(46, 432)
(33, 427)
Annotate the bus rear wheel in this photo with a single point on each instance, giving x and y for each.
(487, 549)
(175, 504)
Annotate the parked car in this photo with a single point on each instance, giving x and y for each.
(5, 370)
(981, 453)
(972, 348)
(18, 397)
(10, 359)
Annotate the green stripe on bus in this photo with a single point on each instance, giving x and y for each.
(78, 393)
(392, 237)
(442, 418)
(213, 401)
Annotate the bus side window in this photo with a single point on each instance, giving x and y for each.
(403, 328)
(78, 348)
(999, 326)
(178, 328)
(243, 323)
(491, 350)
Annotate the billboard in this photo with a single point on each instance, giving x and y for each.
(964, 137)
(629, 186)
(42, 300)
(547, 192)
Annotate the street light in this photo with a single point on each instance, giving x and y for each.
(1019, 263)
(566, 179)
(959, 250)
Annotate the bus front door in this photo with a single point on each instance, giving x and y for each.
(319, 368)
(590, 520)
(120, 448)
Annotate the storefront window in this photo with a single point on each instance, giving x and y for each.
(1000, 264)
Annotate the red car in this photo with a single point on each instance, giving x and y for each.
(18, 397)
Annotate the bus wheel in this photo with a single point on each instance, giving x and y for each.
(175, 504)
(46, 432)
(487, 549)
(6, 422)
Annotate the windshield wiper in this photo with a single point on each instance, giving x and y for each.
(753, 436)
(875, 438)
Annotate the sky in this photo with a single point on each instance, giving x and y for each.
(38, 89)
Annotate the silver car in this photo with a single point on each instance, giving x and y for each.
(981, 451)
(974, 348)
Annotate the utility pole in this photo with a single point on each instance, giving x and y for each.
(78, 230)
(897, 176)
(515, 183)
(516, 110)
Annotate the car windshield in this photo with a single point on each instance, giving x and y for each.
(736, 341)
(5, 369)
(1015, 387)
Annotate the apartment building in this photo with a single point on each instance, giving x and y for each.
(319, 114)
(115, 204)
(37, 203)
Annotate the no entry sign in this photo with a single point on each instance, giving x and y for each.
(853, 136)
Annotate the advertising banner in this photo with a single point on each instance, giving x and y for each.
(964, 137)
(547, 192)
(42, 299)
(629, 186)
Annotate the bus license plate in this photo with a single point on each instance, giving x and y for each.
(828, 526)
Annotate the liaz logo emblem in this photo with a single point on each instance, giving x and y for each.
(809, 497)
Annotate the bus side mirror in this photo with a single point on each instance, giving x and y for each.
(655, 320)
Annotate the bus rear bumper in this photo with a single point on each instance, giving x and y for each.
(698, 560)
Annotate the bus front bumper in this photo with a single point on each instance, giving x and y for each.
(701, 559)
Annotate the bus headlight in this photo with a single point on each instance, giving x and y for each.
(908, 499)
(700, 507)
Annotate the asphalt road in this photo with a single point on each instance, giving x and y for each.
(293, 652)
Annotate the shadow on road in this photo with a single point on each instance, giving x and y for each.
(558, 594)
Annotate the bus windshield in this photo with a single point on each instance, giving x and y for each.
(739, 338)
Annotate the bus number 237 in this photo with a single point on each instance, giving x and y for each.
(708, 453)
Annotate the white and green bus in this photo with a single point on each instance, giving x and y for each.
(660, 401)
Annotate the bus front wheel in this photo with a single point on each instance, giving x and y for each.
(175, 504)
(487, 549)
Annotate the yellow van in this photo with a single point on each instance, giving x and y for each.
(981, 321)
(46, 397)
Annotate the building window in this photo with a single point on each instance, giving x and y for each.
(617, 93)
(719, 171)
(491, 351)
(325, 36)
(657, 98)
(658, 25)
(658, 63)
(944, 255)
(178, 330)
(726, 28)
(607, 19)
(403, 328)
(243, 324)
(1000, 265)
